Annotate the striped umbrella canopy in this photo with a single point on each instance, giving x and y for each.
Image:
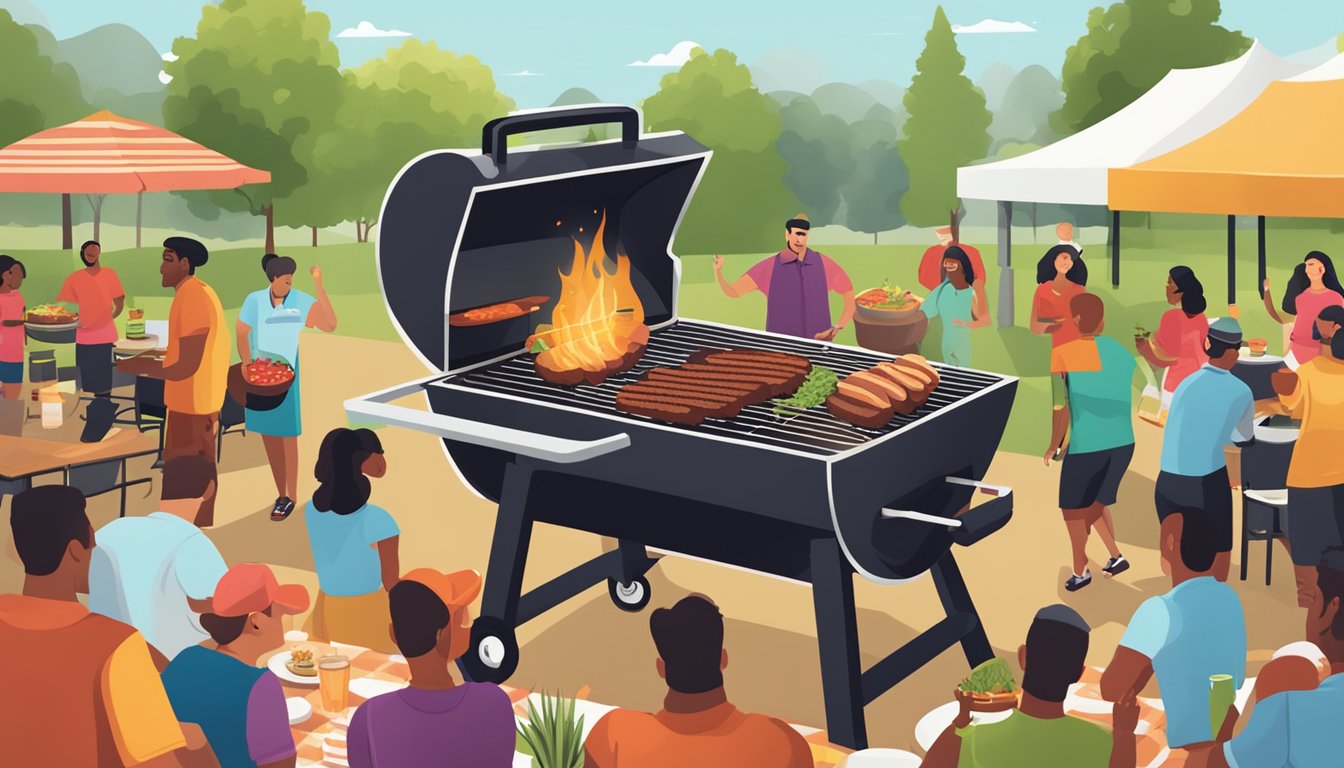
(108, 154)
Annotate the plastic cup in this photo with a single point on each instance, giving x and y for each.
(1222, 694)
(333, 678)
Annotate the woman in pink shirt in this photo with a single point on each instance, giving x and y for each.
(1178, 344)
(1313, 287)
(13, 336)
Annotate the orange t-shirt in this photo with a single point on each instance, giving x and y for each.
(196, 310)
(718, 737)
(95, 295)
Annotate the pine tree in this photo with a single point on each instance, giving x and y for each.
(948, 127)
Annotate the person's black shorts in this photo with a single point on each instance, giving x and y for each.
(1088, 478)
(1315, 522)
(95, 367)
(1211, 493)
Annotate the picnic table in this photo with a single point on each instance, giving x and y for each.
(374, 673)
(26, 457)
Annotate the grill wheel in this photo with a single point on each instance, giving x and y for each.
(493, 655)
(631, 597)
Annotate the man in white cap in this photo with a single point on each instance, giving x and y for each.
(1210, 409)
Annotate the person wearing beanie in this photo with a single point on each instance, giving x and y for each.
(196, 365)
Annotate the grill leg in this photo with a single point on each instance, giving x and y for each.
(838, 644)
(952, 592)
(508, 550)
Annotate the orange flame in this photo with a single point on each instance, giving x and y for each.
(597, 313)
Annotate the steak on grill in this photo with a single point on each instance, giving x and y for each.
(713, 384)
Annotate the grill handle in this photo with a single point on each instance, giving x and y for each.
(975, 523)
(495, 134)
(376, 407)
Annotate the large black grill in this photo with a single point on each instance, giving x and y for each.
(799, 495)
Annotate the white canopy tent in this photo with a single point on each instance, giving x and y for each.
(1182, 107)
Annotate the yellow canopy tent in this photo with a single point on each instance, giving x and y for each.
(1282, 156)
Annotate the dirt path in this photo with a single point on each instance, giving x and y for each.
(771, 633)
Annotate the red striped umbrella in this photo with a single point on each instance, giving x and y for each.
(108, 154)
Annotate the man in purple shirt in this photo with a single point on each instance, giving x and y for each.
(797, 283)
(435, 721)
(240, 706)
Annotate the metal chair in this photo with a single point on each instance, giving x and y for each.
(1264, 498)
(231, 415)
(99, 477)
(150, 411)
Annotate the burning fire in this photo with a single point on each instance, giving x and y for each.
(597, 328)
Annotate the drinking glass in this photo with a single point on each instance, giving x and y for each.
(333, 678)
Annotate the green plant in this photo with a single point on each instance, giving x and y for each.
(553, 734)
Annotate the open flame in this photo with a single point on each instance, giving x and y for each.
(597, 327)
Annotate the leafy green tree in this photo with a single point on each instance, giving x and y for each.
(742, 202)
(259, 82)
(1132, 45)
(1024, 118)
(873, 196)
(947, 128)
(817, 149)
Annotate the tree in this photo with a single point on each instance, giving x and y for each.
(820, 159)
(1024, 118)
(1132, 45)
(873, 196)
(259, 83)
(742, 202)
(947, 128)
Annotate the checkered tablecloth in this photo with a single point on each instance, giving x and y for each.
(324, 728)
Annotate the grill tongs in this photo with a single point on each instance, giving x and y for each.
(377, 407)
(973, 524)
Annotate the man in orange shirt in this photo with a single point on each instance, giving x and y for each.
(195, 366)
(80, 688)
(931, 263)
(697, 725)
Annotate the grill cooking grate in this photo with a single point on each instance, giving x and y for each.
(813, 431)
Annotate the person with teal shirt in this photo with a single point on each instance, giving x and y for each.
(1092, 378)
(269, 325)
(960, 301)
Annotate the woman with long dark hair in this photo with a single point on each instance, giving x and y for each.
(1313, 287)
(1060, 275)
(13, 335)
(960, 301)
(269, 325)
(354, 543)
(1178, 345)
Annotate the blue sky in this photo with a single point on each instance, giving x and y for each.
(797, 43)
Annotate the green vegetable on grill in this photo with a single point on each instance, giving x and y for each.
(538, 347)
(991, 677)
(819, 385)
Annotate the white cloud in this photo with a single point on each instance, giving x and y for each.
(165, 78)
(525, 73)
(678, 56)
(170, 56)
(992, 27)
(367, 29)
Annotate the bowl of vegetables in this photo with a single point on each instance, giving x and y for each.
(885, 303)
(990, 688)
(262, 384)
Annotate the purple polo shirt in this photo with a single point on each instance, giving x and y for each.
(797, 291)
(470, 725)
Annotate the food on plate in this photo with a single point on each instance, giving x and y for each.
(990, 687)
(264, 372)
(302, 663)
(715, 384)
(819, 385)
(1141, 333)
(888, 297)
(51, 314)
(871, 398)
(1257, 346)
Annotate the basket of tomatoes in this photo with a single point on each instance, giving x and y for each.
(262, 384)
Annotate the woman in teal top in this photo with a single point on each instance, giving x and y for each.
(960, 301)
(268, 326)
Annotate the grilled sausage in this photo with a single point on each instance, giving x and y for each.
(897, 397)
(861, 395)
(859, 414)
(919, 362)
(913, 385)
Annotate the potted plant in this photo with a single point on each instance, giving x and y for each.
(553, 733)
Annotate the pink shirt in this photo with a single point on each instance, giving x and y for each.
(12, 338)
(1182, 337)
(1309, 306)
(94, 294)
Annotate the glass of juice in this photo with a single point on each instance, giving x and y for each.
(333, 678)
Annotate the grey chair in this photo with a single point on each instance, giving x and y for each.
(1264, 498)
(99, 477)
(231, 417)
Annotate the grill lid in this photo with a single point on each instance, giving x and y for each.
(461, 229)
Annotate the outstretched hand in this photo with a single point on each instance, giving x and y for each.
(718, 263)
(316, 272)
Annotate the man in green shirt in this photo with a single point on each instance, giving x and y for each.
(1093, 400)
(1038, 733)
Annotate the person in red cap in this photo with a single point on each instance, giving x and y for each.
(435, 721)
(218, 684)
(931, 263)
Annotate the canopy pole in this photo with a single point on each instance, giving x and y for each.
(1115, 249)
(1231, 261)
(139, 201)
(1005, 263)
(67, 229)
(1260, 284)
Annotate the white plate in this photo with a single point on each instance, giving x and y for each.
(932, 725)
(882, 758)
(368, 687)
(1084, 705)
(277, 665)
(299, 710)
